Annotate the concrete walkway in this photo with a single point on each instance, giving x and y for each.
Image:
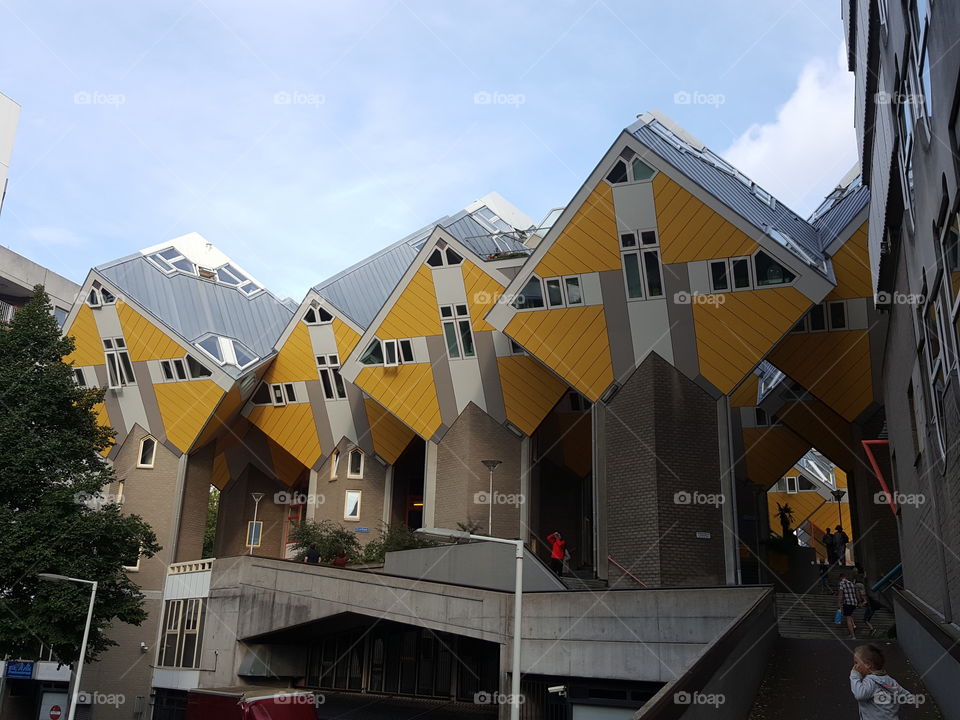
(810, 679)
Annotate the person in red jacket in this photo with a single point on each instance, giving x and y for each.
(558, 546)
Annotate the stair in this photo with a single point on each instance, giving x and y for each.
(811, 616)
(587, 582)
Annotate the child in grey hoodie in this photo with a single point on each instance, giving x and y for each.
(878, 695)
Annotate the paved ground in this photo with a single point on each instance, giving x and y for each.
(810, 679)
(353, 706)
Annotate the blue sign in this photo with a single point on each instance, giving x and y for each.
(19, 669)
(361, 529)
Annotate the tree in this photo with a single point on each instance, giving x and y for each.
(50, 465)
(210, 531)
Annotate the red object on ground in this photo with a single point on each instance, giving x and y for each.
(251, 703)
(55, 712)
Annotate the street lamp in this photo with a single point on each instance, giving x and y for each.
(517, 597)
(838, 496)
(490, 464)
(51, 577)
(257, 497)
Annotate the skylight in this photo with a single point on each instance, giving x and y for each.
(227, 351)
(170, 260)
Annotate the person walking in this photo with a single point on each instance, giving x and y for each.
(840, 541)
(847, 601)
(867, 601)
(878, 695)
(825, 576)
(829, 545)
(558, 547)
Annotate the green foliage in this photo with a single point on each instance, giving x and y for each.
(49, 462)
(210, 530)
(393, 538)
(328, 538)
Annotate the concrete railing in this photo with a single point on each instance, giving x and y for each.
(723, 681)
(190, 566)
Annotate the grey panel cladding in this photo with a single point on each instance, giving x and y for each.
(490, 375)
(442, 379)
(149, 397)
(619, 335)
(110, 403)
(360, 420)
(321, 419)
(683, 337)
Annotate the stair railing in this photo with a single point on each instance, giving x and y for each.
(625, 571)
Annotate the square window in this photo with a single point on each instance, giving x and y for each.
(446, 311)
(628, 240)
(462, 311)
(648, 237)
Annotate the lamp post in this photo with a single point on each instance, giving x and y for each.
(517, 599)
(838, 496)
(490, 465)
(257, 497)
(50, 577)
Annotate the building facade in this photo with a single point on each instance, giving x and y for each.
(907, 67)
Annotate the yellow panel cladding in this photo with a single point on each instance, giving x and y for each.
(482, 292)
(345, 337)
(589, 242)
(221, 416)
(770, 452)
(571, 341)
(145, 341)
(746, 393)
(691, 230)
(286, 467)
(390, 436)
(822, 428)
(415, 313)
(834, 366)
(407, 391)
(734, 335)
(221, 471)
(185, 408)
(88, 348)
(290, 426)
(295, 361)
(103, 419)
(529, 390)
(851, 263)
(807, 506)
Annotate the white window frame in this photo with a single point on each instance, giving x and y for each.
(79, 377)
(390, 348)
(328, 369)
(936, 365)
(543, 296)
(120, 372)
(283, 393)
(402, 345)
(355, 452)
(317, 320)
(792, 481)
(640, 250)
(346, 504)
(158, 262)
(335, 464)
(153, 453)
(455, 320)
(726, 275)
(829, 311)
(557, 282)
(566, 290)
(754, 275)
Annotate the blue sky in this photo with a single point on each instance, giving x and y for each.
(299, 137)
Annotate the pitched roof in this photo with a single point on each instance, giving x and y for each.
(361, 290)
(838, 209)
(193, 306)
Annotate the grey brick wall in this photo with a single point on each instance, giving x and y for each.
(661, 439)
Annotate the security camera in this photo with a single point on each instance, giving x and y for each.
(560, 690)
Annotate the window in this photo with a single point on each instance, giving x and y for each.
(641, 264)
(950, 249)
(93, 299)
(148, 452)
(740, 270)
(563, 291)
(618, 173)
(640, 170)
(770, 272)
(531, 296)
(554, 292)
(443, 255)
(935, 349)
(170, 260)
(635, 171)
(457, 331)
(572, 291)
(317, 316)
(838, 315)
(335, 464)
(227, 351)
(185, 368)
(262, 396)
(761, 417)
(393, 352)
(719, 281)
(390, 357)
(516, 348)
(817, 318)
(281, 394)
(182, 633)
(351, 505)
(119, 367)
(373, 355)
(197, 369)
(791, 484)
(79, 378)
(328, 366)
(406, 351)
(801, 326)
(355, 463)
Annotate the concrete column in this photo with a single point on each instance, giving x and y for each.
(313, 488)
(430, 485)
(599, 476)
(178, 505)
(728, 488)
(388, 495)
(525, 489)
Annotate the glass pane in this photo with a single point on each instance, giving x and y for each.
(554, 293)
(453, 258)
(181, 370)
(324, 316)
(356, 462)
(128, 377)
(212, 346)
(718, 276)
(197, 369)
(146, 451)
(628, 240)
(631, 266)
(450, 333)
(838, 315)
(466, 338)
(435, 259)
(338, 381)
(327, 386)
(183, 264)
(618, 174)
(446, 311)
(352, 505)
(770, 272)
(648, 237)
(741, 273)
(373, 355)
(641, 171)
(390, 352)
(406, 351)
(818, 318)
(574, 295)
(310, 316)
(244, 356)
(651, 261)
(167, 267)
(461, 311)
(167, 370)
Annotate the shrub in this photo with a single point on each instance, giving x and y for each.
(328, 538)
(392, 538)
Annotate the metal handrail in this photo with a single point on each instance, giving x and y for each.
(626, 572)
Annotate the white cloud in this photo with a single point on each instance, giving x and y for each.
(801, 155)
